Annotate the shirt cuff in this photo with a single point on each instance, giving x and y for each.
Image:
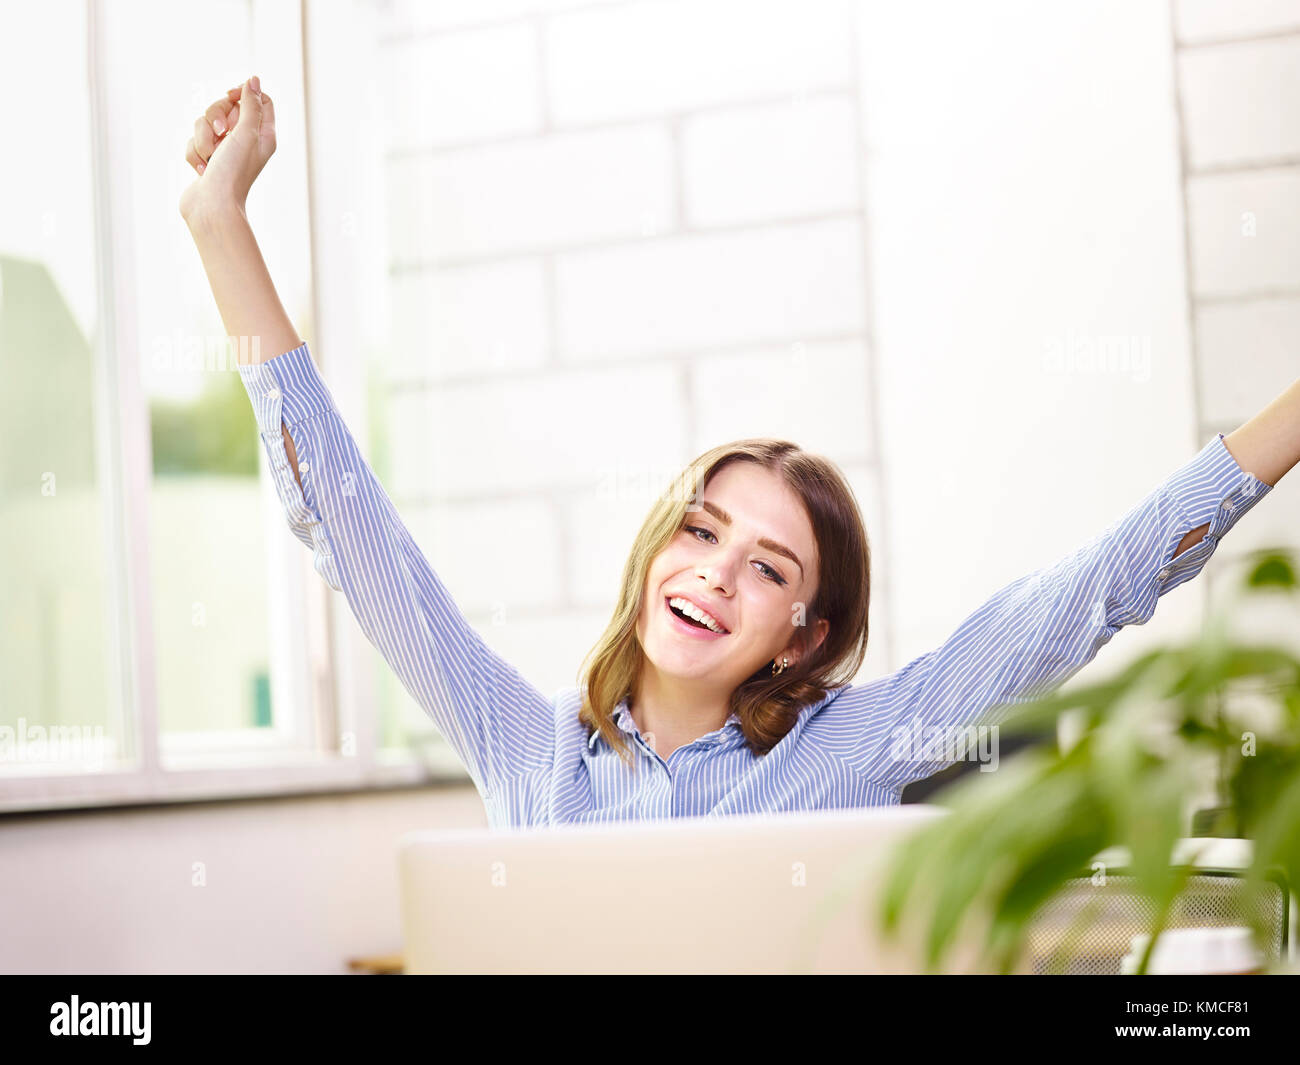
(286, 388)
(1213, 489)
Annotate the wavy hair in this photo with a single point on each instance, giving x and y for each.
(767, 705)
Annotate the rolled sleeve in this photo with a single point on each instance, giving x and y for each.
(288, 390)
(1211, 489)
(1039, 630)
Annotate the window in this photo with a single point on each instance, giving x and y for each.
(164, 636)
(58, 612)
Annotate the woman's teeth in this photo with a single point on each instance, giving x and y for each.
(690, 610)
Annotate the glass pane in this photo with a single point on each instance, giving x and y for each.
(210, 529)
(58, 669)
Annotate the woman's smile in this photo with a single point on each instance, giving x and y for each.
(690, 628)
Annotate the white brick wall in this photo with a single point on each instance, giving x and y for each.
(535, 194)
(624, 231)
(463, 86)
(541, 647)
(532, 432)
(1248, 353)
(1210, 20)
(816, 394)
(650, 58)
(798, 157)
(1242, 165)
(495, 557)
(1239, 79)
(620, 233)
(600, 526)
(1245, 231)
(1239, 102)
(403, 18)
(449, 323)
(784, 282)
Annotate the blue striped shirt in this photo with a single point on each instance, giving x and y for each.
(532, 760)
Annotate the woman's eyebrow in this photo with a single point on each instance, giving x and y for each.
(763, 541)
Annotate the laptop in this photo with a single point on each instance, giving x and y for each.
(772, 893)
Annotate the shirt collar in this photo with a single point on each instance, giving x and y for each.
(623, 719)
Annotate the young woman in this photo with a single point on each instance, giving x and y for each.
(722, 684)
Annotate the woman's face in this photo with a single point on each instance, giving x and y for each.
(746, 555)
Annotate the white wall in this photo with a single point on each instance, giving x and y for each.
(1023, 189)
(292, 886)
(1239, 79)
(621, 233)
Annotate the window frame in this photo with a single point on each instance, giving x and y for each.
(323, 678)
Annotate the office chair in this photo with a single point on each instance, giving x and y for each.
(1112, 912)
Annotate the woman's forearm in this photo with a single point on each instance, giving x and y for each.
(1269, 444)
(241, 283)
(245, 294)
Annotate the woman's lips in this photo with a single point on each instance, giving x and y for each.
(688, 628)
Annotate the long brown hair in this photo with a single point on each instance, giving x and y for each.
(767, 705)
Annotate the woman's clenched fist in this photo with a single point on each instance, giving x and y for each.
(233, 139)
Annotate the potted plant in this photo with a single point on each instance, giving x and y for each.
(1015, 838)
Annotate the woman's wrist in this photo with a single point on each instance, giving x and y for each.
(206, 219)
(241, 285)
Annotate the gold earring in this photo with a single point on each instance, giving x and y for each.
(784, 662)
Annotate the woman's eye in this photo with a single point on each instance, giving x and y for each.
(768, 571)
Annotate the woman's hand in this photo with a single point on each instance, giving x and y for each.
(233, 140)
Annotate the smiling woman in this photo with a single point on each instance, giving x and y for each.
(770, 516)
(723, 682)
(775, 555)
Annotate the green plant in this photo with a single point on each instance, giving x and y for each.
(1013, 838)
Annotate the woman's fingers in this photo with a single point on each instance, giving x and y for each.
(268, 115)
(192, 156)
(219, 119)
(219, 116)
(205, 140)
(252, 108)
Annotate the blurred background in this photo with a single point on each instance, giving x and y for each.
(1008, 264)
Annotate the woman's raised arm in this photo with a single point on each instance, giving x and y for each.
(227, 164)
(499, 724)
(1268, 445)
(1038, 631)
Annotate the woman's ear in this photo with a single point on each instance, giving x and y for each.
(820, 632)
(801, 649)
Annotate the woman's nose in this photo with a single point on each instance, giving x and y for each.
(717, 571)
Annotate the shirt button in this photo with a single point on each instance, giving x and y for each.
(1164, 573)
(1227, 507)
(273, 393)
(303, 467)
